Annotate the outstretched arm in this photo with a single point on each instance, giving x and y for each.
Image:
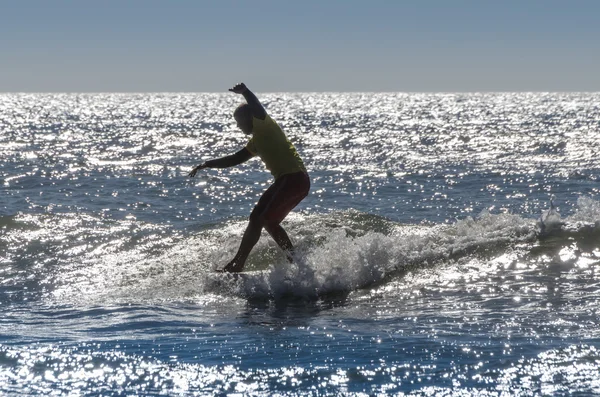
(224, 162)
(257, 108)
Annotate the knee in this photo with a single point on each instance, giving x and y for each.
(258, 218)
(264, 219)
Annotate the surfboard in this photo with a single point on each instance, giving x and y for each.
(253, 279)
(247, 275)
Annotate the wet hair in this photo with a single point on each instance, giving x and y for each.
(243, 111)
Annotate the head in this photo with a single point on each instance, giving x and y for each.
(243, 118)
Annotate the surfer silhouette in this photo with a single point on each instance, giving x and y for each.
(279, 155)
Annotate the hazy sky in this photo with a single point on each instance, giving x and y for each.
(302, 45)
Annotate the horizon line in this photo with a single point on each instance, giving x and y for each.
(307, 92)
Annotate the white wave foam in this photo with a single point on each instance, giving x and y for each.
(343, 262)
(588, 211)
(342, 257)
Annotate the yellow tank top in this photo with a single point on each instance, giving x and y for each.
(274, 149)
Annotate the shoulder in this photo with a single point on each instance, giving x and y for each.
(263, 125)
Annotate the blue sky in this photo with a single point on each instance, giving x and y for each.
(326, 45)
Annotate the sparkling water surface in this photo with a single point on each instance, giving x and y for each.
(449, 246)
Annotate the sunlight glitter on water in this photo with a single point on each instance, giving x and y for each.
(44, 369)
(422, 264)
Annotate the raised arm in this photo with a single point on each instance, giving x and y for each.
(257, 108)
(224, 162)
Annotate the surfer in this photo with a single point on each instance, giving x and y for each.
(281, 158)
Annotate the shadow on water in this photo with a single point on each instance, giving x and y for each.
(291, 310)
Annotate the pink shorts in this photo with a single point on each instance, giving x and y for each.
(281, 197)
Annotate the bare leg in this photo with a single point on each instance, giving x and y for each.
(251, 236)
(273, 204)
(282, 239)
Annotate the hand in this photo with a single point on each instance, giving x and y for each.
(196, 169)
(239, 88)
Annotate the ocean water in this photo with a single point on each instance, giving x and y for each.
(450, 245)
